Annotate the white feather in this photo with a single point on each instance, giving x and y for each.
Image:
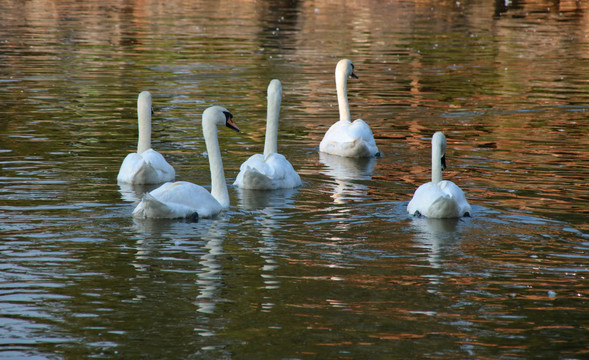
(183, 199)
(439, 198)
(146, 166)
(272, 170)
(347, 138)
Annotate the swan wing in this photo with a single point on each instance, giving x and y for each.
(457, 194)
(149, 167)
(151, 207)
(272, 172)
(161, 170)
(252, 174)
(361, 130)
(431, 201)
(282, 173)
(178, 200)
(131, 165)
(349, 140)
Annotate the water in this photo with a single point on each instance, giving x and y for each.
(335, 269)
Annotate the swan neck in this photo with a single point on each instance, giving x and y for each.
(218, 183)
(272, 118)
(436, 165)
(341, 84)
(144, 121)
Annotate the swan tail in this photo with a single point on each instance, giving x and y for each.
(148, 168)
(357, 148)
(150, 174)
(150, 207)
(444, 207)
(254, 179)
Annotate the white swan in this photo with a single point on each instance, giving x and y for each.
(271, 170)
(346, 138)
(183, 199)
(439, 198)
(146, 166)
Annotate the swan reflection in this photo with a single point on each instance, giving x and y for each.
(134, 192)
(270, 206)
(435, 236)
(210, 278)
(210, 232)
(345, 171)
(261, 199)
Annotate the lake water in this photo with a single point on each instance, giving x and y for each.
(335, 269)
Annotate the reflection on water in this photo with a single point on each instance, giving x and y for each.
(435, 234)
(336, 268)
(345, 172)
(261, 199)
(134, 192)
(210, 279)
(269, 220)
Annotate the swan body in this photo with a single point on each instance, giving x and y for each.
(270, 170)
(439, 198)
(149, 167)
(182, 199)
(146, 166)
(178, 199)
(347, 138)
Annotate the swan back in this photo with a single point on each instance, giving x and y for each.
(179, 199)
(148, 168)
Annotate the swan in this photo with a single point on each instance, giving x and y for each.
(146, 166)
(439, 198)
(346, 138)
(182, 199)
(270, 170)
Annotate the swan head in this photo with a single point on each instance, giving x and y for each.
(144, 104)
(275, 86)
(346, 67)
(439, 147)
(219, 116)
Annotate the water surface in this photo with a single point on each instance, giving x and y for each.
(336, 268)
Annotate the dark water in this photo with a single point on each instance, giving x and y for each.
(335, 269)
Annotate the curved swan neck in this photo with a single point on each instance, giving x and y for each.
(218, 183)
(438, 151)
(274, 99)
(341, 84)
(144, 121)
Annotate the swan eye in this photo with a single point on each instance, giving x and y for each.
(228, 115)
(353, 74)
(151, 111)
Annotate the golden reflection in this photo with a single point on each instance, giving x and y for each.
(505, 80)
